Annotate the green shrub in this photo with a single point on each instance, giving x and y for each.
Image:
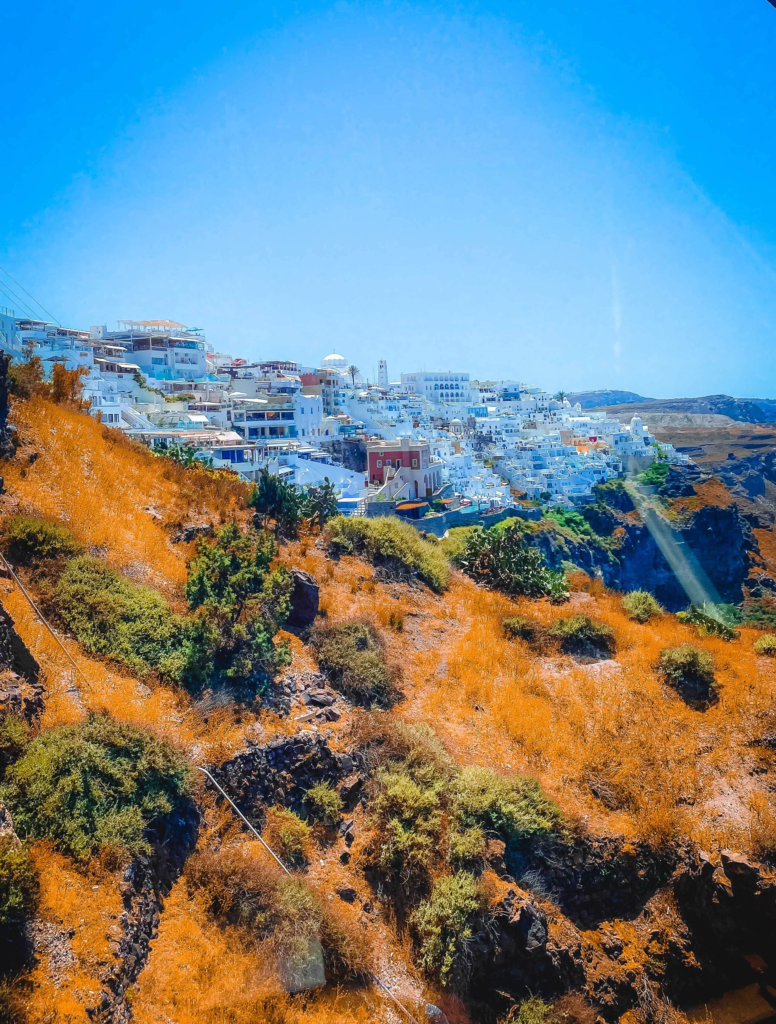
(500, 558)
(351, 655)
(517, 628)
(92, 785)
(323, 802)
(579, 634)
(287, 834)
(387, 539)
(655, 474)
(240, 605)
(466, 847)
(18, 884)
(688, 666)
(116, 618)
(641, 606)
(515, 807)
(531, 1011)
(442, 925)
(570, 520)
(29, 540)
(454, 542)
(711, 620)
(275, 499)
(407, 815)
(766, 645)
(14, 733)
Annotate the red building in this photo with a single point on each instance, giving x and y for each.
(421, 474)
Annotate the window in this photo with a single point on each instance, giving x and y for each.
(379, 462)
(414, 463)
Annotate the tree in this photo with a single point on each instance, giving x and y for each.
(227, 573)
(273, 498)
(500, 558)
(560, 397)
(353, 370)
(184, 454)
(28, 377)
(321, 503)
(67, 386)
(240, 605)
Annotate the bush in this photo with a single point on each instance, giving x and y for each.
(500, 558)
(570, 520)
(517, 628)
(454, 542)
(442, 925)
(578, 634)
(18, 884)
(531, 1011)
(711, 620)
(98, 784)
(387, 539)
(28, 540)
(287, 835)
(766, 645)
(14, 733)
(274, 499)
(240, 606)
(323, 802)
(689, 669)
(351, 654)
(407, 815)
(655, 474)
(515, 808)
(466, 847)
(116, 618)
(641, 606)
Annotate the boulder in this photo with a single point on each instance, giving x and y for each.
(304, 599)
(525, 923)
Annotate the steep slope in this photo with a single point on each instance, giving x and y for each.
(619, 905)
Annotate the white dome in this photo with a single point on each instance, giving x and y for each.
(335, 362)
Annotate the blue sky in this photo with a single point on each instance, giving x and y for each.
(574, 195)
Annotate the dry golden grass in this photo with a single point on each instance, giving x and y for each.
(99, 485)
(660, 769)
(66, 977)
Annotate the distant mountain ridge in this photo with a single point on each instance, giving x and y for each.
(744, 410)
(596, 399)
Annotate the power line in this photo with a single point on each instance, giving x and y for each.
(32, 297)
(42, 618)
(11, 295)
(234, 806)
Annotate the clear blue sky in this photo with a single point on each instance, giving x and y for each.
(577, 195)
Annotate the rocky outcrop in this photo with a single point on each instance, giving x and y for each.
(147, 881)
(281, 772)
(720, 539)
(304, 599)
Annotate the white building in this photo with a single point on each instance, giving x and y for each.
(439, 386)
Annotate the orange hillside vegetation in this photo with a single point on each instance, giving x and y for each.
(101, 486)
(610, 741)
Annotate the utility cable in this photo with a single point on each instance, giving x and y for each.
(11, 295)
(373, 977)
(42, 618)
(32, 297)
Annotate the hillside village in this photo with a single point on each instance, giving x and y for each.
(326, 702)
(436, 445)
